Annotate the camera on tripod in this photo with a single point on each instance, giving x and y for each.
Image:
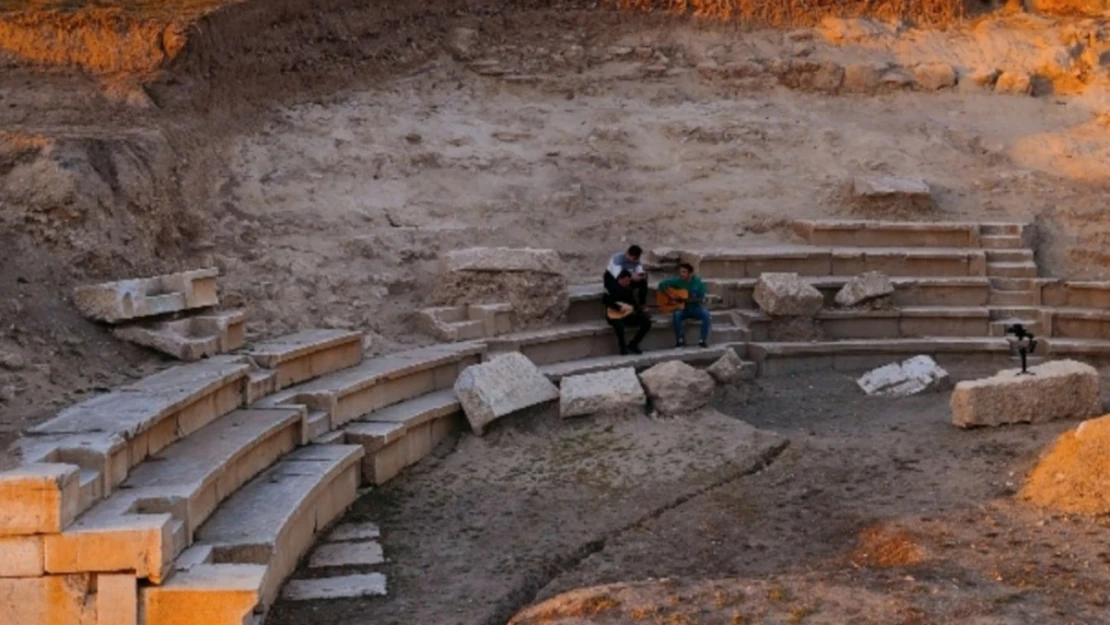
(1026, 344)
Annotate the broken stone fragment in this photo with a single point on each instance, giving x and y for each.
(787, 295)
(864, 289)
(676, 388)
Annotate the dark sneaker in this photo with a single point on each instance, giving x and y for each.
(634, 349)
(703, 344)
(624, 352)
(680, 345)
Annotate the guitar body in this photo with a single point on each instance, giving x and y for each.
(670, 300)
(615, 315)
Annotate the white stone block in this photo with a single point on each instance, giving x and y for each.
(504, 385)
(613, 391)
(347, 554)
(901, 379)
(38, 498)
(787, 295)
(344, 587)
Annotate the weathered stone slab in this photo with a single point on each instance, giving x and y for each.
(1062, 389)
(614, 391)
(787, 295)
(901, 379)
(676, 388)
(502, 386)
(192, 338)
(206, 594)
(890, 187)
(113, 302)
(117, 600)
(347, 554)
(344, 587)
(865, 289)
(731, 369)
(355, 531)
(142, 543)
(50, 600)
(307, 354)
(38, 499)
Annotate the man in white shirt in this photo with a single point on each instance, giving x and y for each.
(628, 260)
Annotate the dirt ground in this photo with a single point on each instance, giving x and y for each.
(831, 499)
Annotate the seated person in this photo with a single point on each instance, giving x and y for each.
(629, 261)
(623, 310)
(693, 309)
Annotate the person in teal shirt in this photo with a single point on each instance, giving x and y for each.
(694, 308)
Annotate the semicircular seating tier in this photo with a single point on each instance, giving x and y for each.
(189, 496)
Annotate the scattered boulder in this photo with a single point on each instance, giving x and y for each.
(862, 78)
(462, 43)
(530, 280)
(11, 360)
(901, 379)
(890, 187)
(676, 388)
(617, 391)
(934, 76)
(731, 369)
(1062, 389)
(1014, 83)
(504, 385)
(867, 288)
(787, 295)
(1072, 476)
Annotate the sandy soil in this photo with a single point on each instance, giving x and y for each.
(877, 510)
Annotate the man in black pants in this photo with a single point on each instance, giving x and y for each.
(620, 297)
(629, 261)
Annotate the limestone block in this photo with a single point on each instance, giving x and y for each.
(50, 600)
(307, 354)
(117, 600)
(192, 338)
(676, 388)
(207, 594)
(38, 499)
(901, 379)
(613, 391)
(890, 187)
(934, 76)
(143, 543)
(1062, 389)
(21, 556)
(342, 554)
(865, 288)
(730, 369)
(341, 587)
(502, 386)
(787, 295)
(113, 302)
(1014, 83)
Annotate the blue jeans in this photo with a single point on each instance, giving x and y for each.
(684, 314)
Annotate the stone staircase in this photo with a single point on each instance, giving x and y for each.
(189, 496)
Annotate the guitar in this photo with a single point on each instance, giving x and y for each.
(670, 300)
(616, 315)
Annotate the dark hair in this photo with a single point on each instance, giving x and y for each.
(635, 251)
(624, 274)
(686, 266)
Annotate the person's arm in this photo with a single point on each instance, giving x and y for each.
(611, 302)
(614, 267)
(697, 290)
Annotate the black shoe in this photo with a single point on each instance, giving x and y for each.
(624, 352)
(634, 349)
(703, 344)
(680, 345)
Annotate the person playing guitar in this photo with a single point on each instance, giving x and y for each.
(622, 308)
(683, 296)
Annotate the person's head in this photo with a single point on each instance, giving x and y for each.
(625, 278)
(685, 270)
(634, 253)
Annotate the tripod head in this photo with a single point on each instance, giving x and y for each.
(1025, 341)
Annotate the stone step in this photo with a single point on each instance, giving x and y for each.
(111, 433)
(206, 594)
(274, 519)
(1013, 298)
(113, 302)
(595, 339)
(466, 323)
(1012, 270)
(1014, 284)
(1001, 241)
(307, 354)
(1003, 229)
(192, 338)
(834, 261)
(403, 434)
(1009, 256)
(690, 355)
(381, 382)
(1077, 294)
(154, 514)
(872, 233)
(1015, 312)
(1078, 323)
(856, 355)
